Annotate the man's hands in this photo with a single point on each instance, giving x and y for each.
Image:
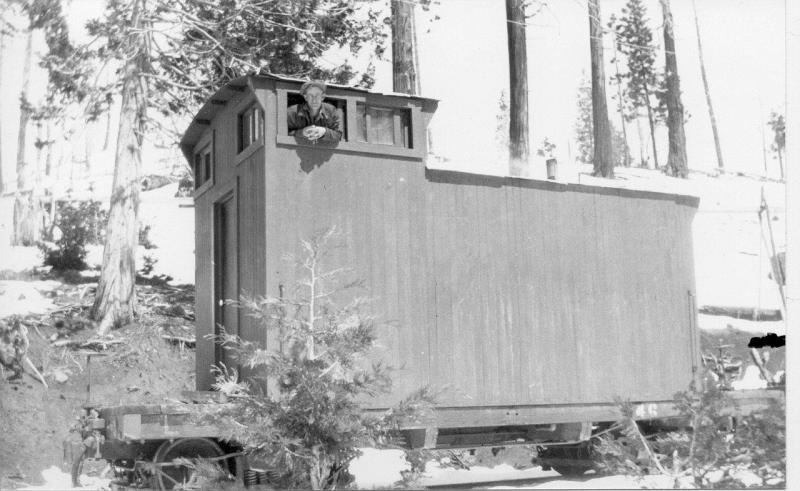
(314, 133)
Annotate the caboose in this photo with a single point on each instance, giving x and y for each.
(537, 303)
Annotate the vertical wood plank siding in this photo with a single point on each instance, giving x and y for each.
(502, 291)
(204, 290)
(244, 177)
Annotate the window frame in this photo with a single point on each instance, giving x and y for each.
(346, 134)
(406, 138)
(205, 150)
(348, 143)
(256, 126)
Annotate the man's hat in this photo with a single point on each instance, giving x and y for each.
(312, 83)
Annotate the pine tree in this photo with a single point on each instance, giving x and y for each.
(502, 121)
(222, 40)
(115, 300)
(634, 40)
(169, 59)
(405, 61)
(5, 29)
(677, 164)
(603, 160)
(712, 118)
(26, 211)
(308, 424)
(518, 129)
(584, 133)
(46, 16)
(617, 80)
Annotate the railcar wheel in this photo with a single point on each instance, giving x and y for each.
(170, 476)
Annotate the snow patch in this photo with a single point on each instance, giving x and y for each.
(56, 479)
(747, 477)
(721, 323)
(751, 379)
(25, 297)
(435, 475)
(171, 222)
(18, 259)
(536, 478)
(378, 469)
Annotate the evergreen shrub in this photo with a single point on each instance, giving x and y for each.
(80, 223)
(307, 427)
(712, 450)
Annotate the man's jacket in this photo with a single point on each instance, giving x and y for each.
(299, 116)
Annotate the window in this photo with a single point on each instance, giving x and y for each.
(293, 98)
(202, 166)
(379, 125)
(251, 127)
(383, 125)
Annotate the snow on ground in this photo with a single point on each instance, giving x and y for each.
(171, 223)
(25, 297)
(18, 259)
(379, 469)
(56, 479)
(438, 476)
(751, 379)
(731, 247)
(721, 322)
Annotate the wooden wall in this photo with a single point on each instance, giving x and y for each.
(501, 291)
(242, 176)
(508, 291)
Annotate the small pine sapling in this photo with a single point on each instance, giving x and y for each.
(300, 411)
(712, 449)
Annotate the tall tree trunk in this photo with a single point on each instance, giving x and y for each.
(48, 160)
(780, 162)
(47, 218)
(642, 142)
(36, 190)
(108, 130)
(37, 169)
(603, 151)
(652, 122)
(405, 65)
(518, 139)
(87, 149)
(677, 164)
(25, 230)
(2, 49)
(711, 116)
(115, 302)
(62, 152)
(763, 142)
(621, 108)
(405, 56)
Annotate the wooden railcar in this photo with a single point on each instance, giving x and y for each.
(538, 304)
(535, 302)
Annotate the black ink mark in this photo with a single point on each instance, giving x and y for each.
(771, 340)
